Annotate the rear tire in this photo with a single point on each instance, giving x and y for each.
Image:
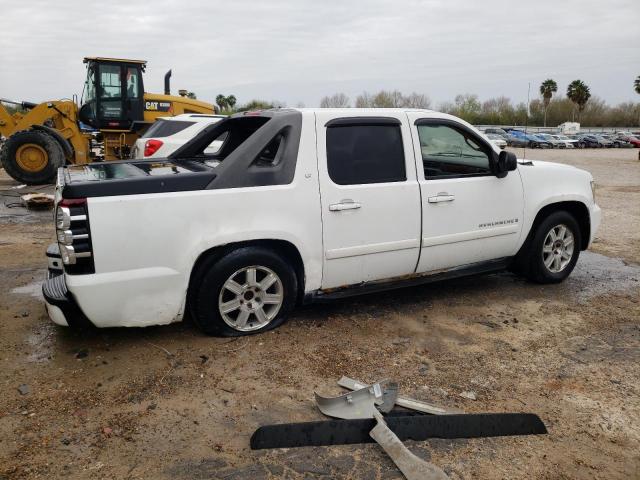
(553, 251)
(32, 157)
(249, 290)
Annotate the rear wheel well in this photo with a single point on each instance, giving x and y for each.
(579, 211)
(206, 259)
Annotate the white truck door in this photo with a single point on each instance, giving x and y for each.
(468, 214)
(370, 198)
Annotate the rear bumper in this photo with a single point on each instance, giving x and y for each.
(61, 306)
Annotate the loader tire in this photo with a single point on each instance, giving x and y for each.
(32, 157)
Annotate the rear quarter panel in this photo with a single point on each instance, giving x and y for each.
(145, 245)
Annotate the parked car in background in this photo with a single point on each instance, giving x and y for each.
(167, 134)
(517, 141)
(577, 138)
(590, 141)
(604, 141)
(535, 141)
(497, 140)
(632, 139)
(617, 142)
(497, 131)
(518, 138)
(555, 143)
(564, 140)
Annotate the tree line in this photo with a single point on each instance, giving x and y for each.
(549, 109)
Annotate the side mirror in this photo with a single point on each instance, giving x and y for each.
(506, 163)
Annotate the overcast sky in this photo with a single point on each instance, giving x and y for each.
(298, 51)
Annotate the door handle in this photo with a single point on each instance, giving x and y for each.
(442, 197)
(346, 204)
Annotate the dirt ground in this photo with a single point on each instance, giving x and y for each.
(171, 403)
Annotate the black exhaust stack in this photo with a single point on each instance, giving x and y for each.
(167, 83)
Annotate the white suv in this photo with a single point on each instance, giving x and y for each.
(167, 134)
(302, 205)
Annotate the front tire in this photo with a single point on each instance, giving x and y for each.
(32, 157)
(554, 249)
(249, 290)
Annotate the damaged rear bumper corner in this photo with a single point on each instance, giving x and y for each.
(61, 306)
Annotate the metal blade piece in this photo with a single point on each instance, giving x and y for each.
(417, 405)
(412, 467)
(389, 396)
(359, 403)
(407, 427)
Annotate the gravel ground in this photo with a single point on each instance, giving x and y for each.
(168, 402)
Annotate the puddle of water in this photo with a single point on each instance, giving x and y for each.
(33, 289)
(597, 274)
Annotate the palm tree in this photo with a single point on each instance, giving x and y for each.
(636, 84)
(578, 92)
(231, 101)
(221, 100)
(547, 89)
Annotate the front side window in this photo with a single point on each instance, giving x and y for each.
(451, 152)
(364, 154)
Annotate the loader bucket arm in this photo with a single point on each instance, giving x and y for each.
(7, 122)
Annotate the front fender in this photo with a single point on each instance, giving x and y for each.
(546, 184)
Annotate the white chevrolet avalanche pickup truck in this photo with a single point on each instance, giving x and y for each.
(303, 205)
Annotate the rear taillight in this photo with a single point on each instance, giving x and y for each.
(73, 235)
(151, 147)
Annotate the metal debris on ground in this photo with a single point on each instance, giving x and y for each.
(401, 401)
(362, 422)
(412, 467)
(360, 403)
(38, 201)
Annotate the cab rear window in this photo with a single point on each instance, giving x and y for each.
(166, 128)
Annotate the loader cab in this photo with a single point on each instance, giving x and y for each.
(113, 97)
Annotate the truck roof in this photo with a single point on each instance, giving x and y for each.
(355, 111)
(347, 112)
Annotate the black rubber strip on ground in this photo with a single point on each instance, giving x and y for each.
(406, 427)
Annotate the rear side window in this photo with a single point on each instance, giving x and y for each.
(362, 154)
(164, 128)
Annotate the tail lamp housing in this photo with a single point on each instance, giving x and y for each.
(151, 146)
(73, 235)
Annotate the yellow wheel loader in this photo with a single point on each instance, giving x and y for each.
(41, 137)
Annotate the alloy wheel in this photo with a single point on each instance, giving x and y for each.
(557, 249)
(251, 298)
